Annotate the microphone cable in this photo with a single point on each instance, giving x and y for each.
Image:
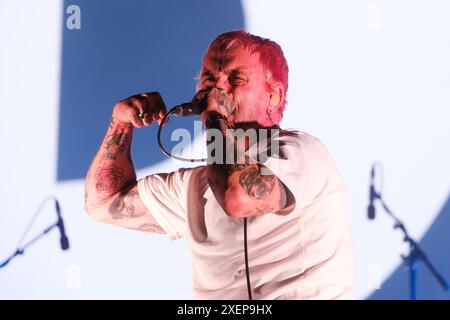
(175, 111)
(247, 270)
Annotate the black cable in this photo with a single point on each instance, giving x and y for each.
(247, 271)
(168, 154)
(379, 165)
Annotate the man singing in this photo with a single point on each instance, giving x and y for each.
(291, 203)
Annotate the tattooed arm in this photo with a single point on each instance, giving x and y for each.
(241, 188)
(111, 188)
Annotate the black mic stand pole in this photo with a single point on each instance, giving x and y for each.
(21, 250)
(415, 254)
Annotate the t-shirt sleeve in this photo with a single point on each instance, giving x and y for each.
(298, 161)
(164, 195)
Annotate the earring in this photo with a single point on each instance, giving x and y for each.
(274, 99)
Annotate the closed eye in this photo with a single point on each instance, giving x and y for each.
(208, 79)
(207, 76)
(237, 80)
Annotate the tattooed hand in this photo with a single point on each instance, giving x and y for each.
(140, 110)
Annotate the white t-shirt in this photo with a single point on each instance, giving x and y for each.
(303, 252)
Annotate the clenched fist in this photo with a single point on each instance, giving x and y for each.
(140, 110)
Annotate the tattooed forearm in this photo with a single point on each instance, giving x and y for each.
(109, 179)
(257, 186)
(123, 206)
(117, 140)
(236, 180)
(265, 208)
(111, 173)
(262, 209)
(115, 144)
(150, 227)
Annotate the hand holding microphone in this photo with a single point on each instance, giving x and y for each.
(144, 108)
(140, 110)
(197, 105)
(207, 100)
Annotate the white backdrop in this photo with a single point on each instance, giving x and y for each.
(370, 79)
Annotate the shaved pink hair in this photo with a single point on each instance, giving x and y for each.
(270, 53)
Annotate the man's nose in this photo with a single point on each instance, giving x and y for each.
(222, 83)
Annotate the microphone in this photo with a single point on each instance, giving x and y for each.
(60, 224)
(372, 195)
(186, 109)
(195, 107)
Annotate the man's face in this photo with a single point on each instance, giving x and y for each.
(240, 75)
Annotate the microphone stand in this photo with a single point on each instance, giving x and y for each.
(21, 250)
(414, 256)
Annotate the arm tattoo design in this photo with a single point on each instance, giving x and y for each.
(263, 209)
(115, 144)
(109, 179)
(257, 186)
(151, 227)
(123, 206)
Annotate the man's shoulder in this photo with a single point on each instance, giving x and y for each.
(300, 141)
(301, 137)
(188, 172)
(178, 177)
(192, 175)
